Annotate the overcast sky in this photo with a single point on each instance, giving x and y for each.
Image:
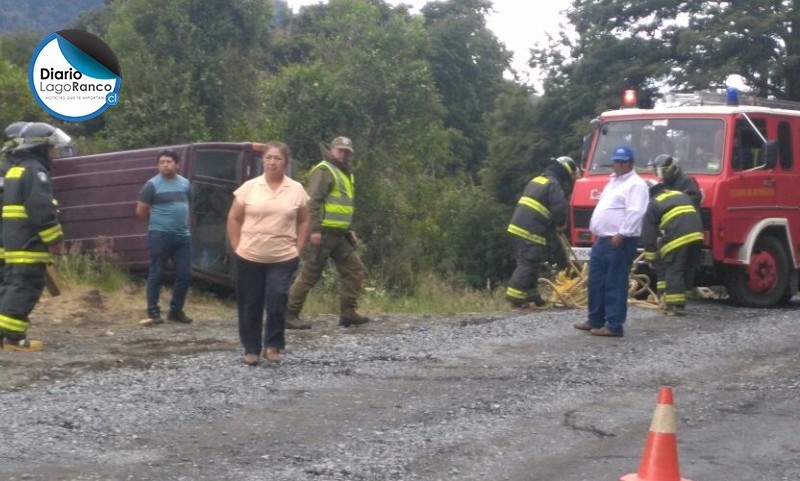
(519, 24)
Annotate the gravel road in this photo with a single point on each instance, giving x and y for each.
(520, 396)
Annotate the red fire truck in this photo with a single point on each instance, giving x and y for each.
(741, 151)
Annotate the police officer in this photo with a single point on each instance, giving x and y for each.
(30, 230)
(672, 176)
(542, 208)
(672, 235)
(331, 206)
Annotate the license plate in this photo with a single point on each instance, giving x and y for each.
(581, 253)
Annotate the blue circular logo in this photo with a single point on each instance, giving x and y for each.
(74, 75)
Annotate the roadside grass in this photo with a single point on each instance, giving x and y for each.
(96, 267)
(432, 296)
(80, 271)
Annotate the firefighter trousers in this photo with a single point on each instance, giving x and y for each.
(352, 271)
(524, 283)
(676, 272)
(22, 287)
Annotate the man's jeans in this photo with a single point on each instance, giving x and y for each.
(163, 247)
(609, 271)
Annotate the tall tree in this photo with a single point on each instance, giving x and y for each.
(360, 70)
(189, 69)
(468, 62)
(686, 45)
(15, 95)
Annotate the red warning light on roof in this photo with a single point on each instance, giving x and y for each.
(629, 98)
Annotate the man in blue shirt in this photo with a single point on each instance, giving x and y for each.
(164, 205)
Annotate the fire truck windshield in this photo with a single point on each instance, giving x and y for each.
(696, 143)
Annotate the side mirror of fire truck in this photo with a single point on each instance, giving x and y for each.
(771, 154)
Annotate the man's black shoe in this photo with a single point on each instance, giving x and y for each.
(179, 317)
(153, 318)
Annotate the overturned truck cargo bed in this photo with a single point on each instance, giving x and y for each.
(97, 197)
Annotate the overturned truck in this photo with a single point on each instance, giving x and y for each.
(97, 196)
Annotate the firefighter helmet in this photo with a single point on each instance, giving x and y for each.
(654, 186)
(11, 134)
(665, 165)
(570, 165)
(39, 134)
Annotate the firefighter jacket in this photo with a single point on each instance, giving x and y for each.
(332, 197)
(541, 207)
(30, 224)
(5, 164)
(686, 184)
(671, 221)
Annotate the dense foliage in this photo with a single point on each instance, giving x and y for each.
(41, 16)
(444, 142)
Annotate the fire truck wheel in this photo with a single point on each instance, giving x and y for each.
(762, 283)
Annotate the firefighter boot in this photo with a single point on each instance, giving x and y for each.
(349, 317)
(22, 345)
(293, 321)
(536, 299)
(675, 310)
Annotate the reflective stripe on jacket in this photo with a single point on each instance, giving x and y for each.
(671, 221)
(30, 224)
(541, 207)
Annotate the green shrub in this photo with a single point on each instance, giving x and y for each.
(97, 267)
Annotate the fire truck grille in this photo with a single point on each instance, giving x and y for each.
(581, 217)
(705, 216)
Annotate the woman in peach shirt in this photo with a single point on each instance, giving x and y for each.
(267, 228)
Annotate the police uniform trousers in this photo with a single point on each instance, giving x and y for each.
(22, 288)
(334, 245)
(676, 272)
(525, 279)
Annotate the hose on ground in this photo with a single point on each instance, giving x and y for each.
(569, 288)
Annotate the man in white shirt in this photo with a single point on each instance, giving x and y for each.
(617, 224)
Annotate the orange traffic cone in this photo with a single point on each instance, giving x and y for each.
(660, 458)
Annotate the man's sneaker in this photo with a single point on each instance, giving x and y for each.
(153, 318)
(350, 317)
(179, 316)
(23, 345)
(293, 321)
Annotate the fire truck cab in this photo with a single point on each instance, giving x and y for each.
(744, 155)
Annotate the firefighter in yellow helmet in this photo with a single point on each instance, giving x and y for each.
(672, 176)
(541, 209)
(30, 230)
(672, 236)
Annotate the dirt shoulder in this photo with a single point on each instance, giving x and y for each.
(84, 330)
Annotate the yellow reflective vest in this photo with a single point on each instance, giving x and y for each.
(339, 205)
